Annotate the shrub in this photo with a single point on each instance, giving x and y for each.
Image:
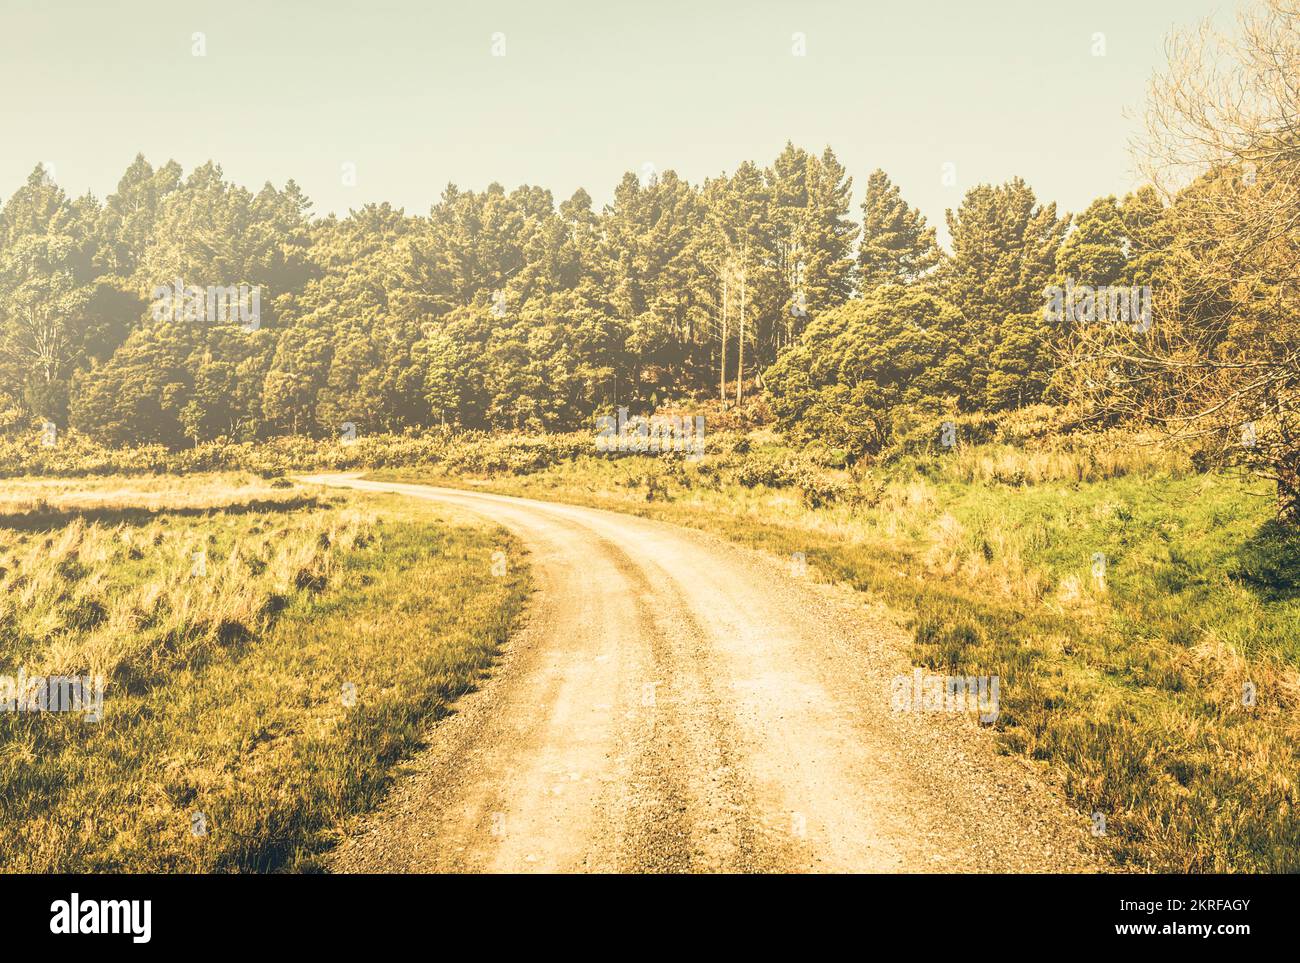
(764, 469)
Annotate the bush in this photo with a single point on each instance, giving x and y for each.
(818, 489)
(856, 364)
(764, 469)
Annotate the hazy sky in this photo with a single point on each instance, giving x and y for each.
(411, 93)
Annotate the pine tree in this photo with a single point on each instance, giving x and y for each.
(897, 245)
(1004, 247)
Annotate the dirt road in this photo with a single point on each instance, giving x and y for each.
(679, 704)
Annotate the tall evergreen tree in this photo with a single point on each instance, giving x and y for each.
(897, 246)
(1004, 246)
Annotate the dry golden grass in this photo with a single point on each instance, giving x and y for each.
(1072, 459)
(227, 619)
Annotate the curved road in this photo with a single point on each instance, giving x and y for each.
(676, 703)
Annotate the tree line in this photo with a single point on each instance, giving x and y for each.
(505, 310)
(496, 309)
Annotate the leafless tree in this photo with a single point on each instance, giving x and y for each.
(1221, 363)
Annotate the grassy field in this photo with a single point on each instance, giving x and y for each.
(270, 656)
(1144, 617)
(1142, 613)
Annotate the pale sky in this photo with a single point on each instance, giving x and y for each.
(411, 93)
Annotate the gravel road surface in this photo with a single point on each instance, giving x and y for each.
(675, 703)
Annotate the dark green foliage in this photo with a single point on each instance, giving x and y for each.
(855, 365)
(499, 310)
(495, 310)
(897, 246)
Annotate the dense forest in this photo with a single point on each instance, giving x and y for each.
(501, 309)
(504, 310)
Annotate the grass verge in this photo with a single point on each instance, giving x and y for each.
(255, 702)
(1143, 622)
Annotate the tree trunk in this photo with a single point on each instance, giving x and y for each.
(740, 364)
(722, 361)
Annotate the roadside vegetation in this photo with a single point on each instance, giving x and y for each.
(270, 657)
(1161, 683)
